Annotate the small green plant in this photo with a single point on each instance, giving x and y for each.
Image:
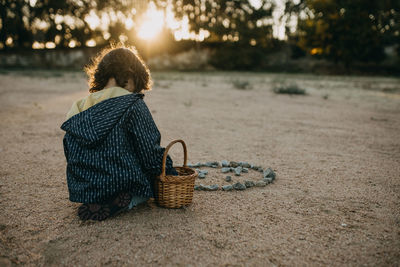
(389, 90)
(242, 85)
(188, 104)
(289, 90)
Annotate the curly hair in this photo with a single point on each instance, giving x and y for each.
(121, 63)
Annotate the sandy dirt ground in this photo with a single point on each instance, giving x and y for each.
(336, 152)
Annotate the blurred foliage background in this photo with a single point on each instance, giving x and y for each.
(242, 34)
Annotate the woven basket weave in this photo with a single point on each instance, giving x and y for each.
(175, 191)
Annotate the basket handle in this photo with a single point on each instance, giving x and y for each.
(164, 160)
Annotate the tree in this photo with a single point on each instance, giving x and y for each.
(346, 30)
(240, 32)
(24, 22)
(233, 20)
(14, 23)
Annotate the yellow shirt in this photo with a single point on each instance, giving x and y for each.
(95, 98)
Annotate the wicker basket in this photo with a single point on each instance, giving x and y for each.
(175, 191)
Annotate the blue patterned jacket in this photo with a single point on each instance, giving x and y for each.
(111, 147)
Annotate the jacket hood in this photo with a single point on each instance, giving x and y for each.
(95, 98)
(93, 124)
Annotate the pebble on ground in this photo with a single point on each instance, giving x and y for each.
(238, 168)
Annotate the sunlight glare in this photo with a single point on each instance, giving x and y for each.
(91, 43)
(72, 44)
(37, 45)
(93, 20)
(32, 3)
(129, 23)
(50, 45)
(153, 22)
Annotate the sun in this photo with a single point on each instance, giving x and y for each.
(152, 23)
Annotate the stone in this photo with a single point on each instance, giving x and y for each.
(268, 180)
(261, 183)
(239, 186)
(245, 170)
(225, 169)
(202, 175)
(190, 165)
(227, 187)
(201, 187)
(224, 163)
(204, 171)
(212, 164)
(233, 164)
(244, 164)
(213, 187)
(249, 184)
(238, 170)
(228, 178)
(198, 187)
(256, 168)
(198, 164)
(269, 173)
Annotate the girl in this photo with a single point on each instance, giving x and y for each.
(111, 144)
